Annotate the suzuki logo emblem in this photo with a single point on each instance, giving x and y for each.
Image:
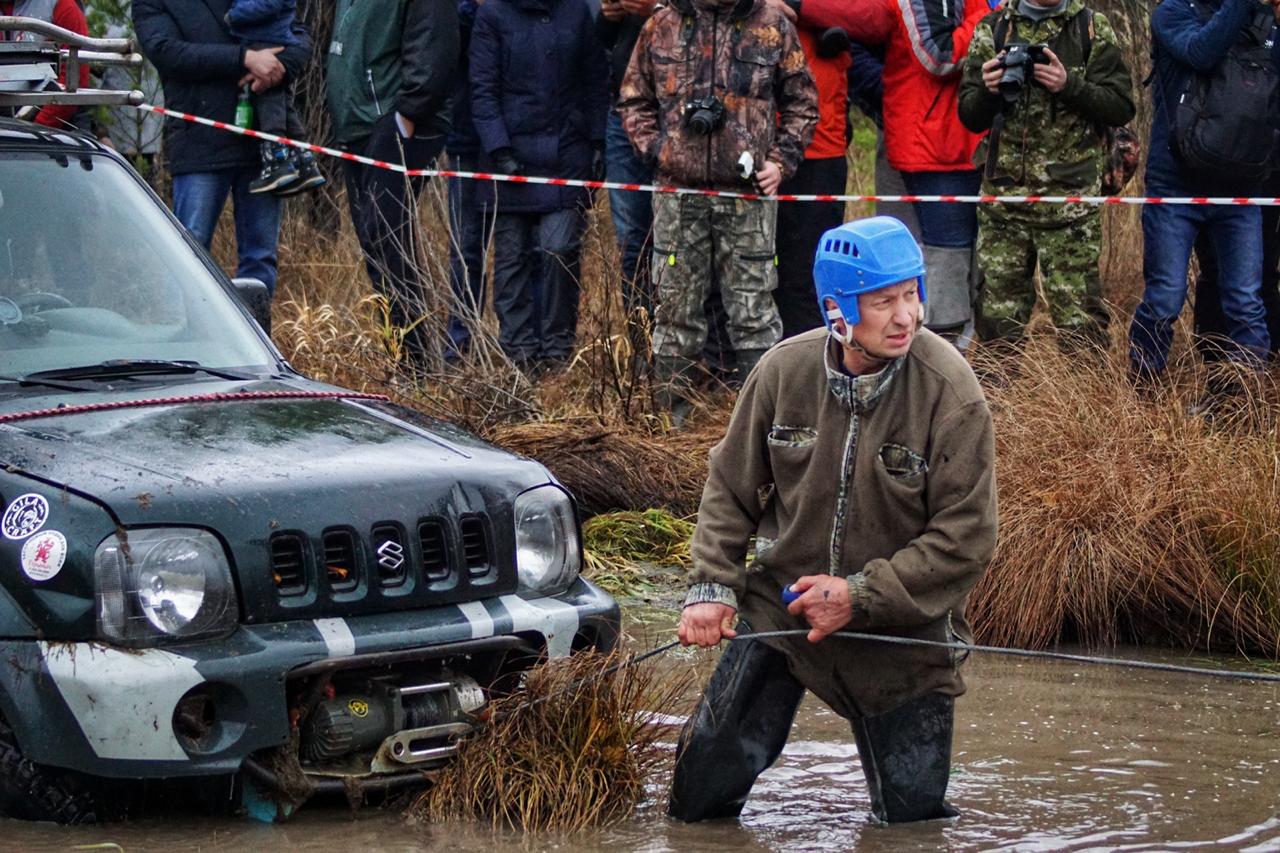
(391, 555)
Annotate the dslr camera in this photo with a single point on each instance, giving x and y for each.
(1018, 59)
(704, 116)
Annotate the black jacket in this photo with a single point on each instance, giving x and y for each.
(200, 63)
(620, 38)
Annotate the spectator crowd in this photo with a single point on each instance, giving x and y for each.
(1019, 97)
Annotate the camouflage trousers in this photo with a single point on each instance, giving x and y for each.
(1067, 250)
(701, 243)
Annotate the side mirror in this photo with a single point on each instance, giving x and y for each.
(255, 296)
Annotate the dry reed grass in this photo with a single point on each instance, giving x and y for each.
(572, 748)
(615, 468)
(1121, 517)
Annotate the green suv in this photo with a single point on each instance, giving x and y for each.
(212, 566)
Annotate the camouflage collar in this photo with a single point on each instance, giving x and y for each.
(858, 394)
(737, 9)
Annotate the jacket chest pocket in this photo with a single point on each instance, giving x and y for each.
(753, 69)
(790, 453)
(670, 70)
(903, 468)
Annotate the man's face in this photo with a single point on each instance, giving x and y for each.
(889, 319)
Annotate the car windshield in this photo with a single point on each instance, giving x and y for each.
(92, 270)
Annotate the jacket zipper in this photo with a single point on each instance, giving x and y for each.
(368, 73)
(835, 550)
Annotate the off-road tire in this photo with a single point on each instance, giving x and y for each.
(31, 791)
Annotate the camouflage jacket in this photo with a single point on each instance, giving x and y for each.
(749, 56)
(1050, 143)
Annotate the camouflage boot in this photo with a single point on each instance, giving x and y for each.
(672, 380)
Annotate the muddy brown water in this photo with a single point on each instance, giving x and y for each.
(1048, 756)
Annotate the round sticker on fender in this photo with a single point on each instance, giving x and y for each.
(25, 516)
(43, 555)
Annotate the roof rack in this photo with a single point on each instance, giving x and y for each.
(29, 68)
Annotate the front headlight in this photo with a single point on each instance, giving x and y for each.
(548, 556)
(163, 583)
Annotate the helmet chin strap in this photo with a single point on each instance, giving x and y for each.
(847, 339)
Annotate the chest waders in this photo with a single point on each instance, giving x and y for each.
(741, 725)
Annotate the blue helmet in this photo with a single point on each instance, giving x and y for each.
(860, 257)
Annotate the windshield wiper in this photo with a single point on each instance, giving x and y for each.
(126, 367)
(44, 383)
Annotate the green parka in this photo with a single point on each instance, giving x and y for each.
(391, 56)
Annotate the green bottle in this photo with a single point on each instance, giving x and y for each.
(244, 109)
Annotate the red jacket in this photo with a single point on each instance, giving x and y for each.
(66, 14)
(921, 72)
(830, 137)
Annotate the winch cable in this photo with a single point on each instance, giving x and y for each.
(1092, 660)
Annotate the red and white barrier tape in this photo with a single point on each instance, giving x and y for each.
(650, 188)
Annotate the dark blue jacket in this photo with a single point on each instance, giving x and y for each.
(463, 140)
(539, 86)
(866, 81)
(1184, 44)
(200, 64)
(263, 21)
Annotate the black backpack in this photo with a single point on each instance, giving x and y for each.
(1224, 124)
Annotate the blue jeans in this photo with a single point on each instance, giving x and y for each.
(198, 199)
(945, 224)
(1168, 234)
(471, 214)
(632, 214)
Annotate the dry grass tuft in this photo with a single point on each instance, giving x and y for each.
(571, 749)
(615, 468)
(1121, 517)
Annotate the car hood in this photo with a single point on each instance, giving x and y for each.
(150, 464)
(257, 470)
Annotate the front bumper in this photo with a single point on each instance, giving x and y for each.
(110, 712)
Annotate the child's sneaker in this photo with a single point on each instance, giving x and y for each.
(278, 170)
(309, 174)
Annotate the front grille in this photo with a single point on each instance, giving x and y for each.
(341, 568)
(475, 544)
(390, 555)
(288, 564)
(435, 549)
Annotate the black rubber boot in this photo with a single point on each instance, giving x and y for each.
(747, 361)
(906, 756)
(672, 381)
(736, 733)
